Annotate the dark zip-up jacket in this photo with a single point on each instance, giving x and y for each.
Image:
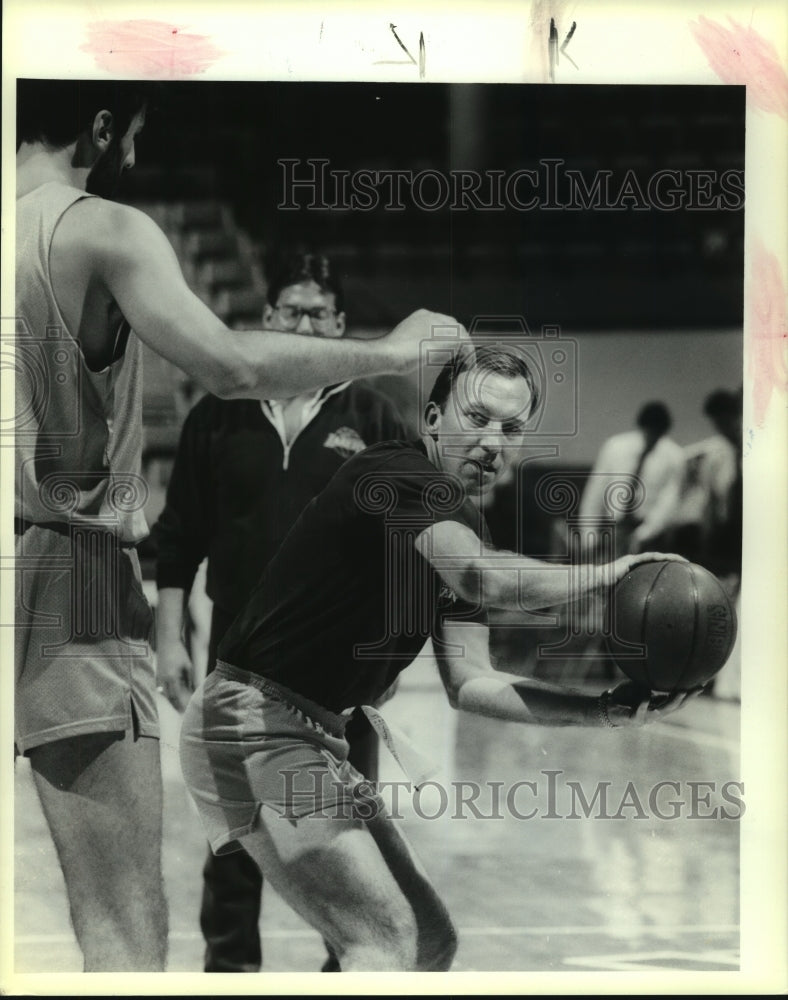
(236, 490)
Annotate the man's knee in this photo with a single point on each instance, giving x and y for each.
(400, 946)
(124, 930)
(120, 891)
(401, 932)
(101, 796)
(386, 942)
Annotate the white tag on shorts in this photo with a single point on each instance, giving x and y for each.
(416, 766)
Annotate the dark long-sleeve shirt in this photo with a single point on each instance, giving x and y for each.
(236, 490)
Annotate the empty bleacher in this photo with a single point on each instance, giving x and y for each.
(209, 175)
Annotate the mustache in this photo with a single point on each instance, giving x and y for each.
(494, 462)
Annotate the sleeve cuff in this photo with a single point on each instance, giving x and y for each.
(175, 576)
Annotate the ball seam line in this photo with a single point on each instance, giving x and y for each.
(644, 629)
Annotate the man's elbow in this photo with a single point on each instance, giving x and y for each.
(468, 583)
(480, 587)
(233, 378)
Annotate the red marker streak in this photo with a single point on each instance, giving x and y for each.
(768, 327)
(739, 55)
(148, 48)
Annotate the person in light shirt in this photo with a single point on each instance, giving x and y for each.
(656, 465)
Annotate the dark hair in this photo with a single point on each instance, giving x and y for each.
(504, 361)
(722, 404)
(57, 112)
(655, 417)
(296, 268)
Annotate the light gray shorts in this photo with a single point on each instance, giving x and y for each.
(82, 635)
(247, 742)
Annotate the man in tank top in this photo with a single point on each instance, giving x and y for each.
(88, 271)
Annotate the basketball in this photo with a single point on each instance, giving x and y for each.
(682, 618)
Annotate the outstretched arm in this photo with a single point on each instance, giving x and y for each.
(136, 263)
(493, 578)
(462, 652)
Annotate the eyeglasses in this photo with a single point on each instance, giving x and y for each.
(291, 315)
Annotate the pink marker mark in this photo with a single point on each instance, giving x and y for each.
(739, 55)
(148, 49)
(768, 327)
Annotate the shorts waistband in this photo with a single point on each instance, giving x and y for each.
(330, 721)
(71, 529)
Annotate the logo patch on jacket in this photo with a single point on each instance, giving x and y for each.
(345, 442)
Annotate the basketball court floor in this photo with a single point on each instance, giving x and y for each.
(543, 877)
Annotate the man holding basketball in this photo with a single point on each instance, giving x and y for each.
(88, 272)
(392, 552)
(242, 473)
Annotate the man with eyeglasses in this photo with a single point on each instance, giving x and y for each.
(95, 281)
(243, 472)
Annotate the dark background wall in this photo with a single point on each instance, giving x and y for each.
(650, 299)
(585, 270)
